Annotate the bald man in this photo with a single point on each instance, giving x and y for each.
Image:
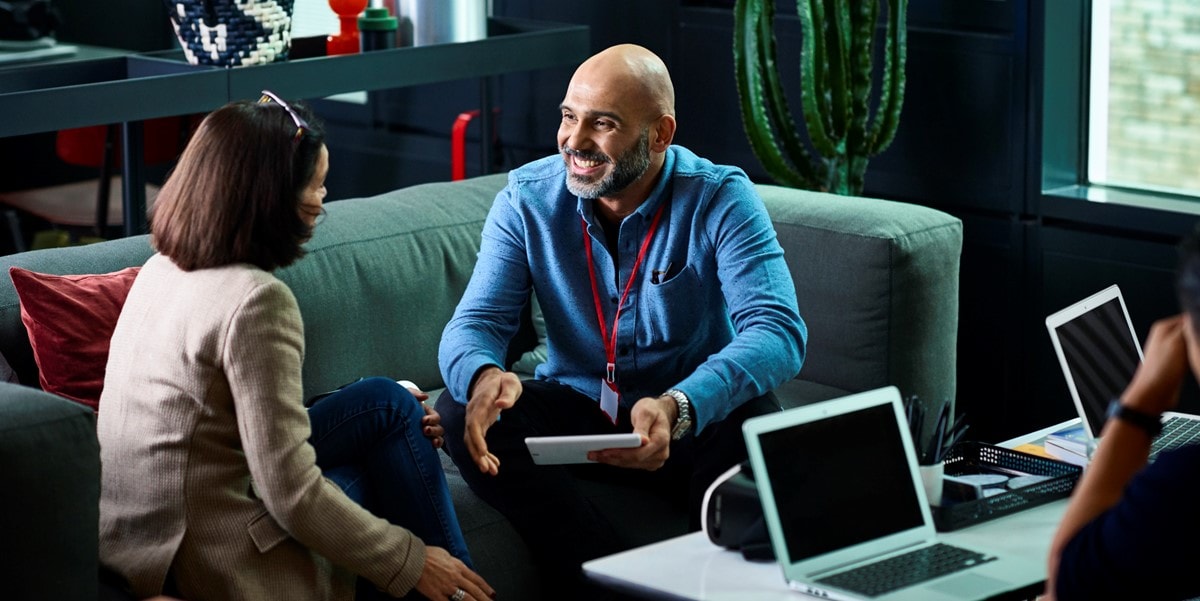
(669, 312)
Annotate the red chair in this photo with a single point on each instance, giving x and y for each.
(88, 205)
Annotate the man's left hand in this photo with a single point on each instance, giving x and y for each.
(652, 417)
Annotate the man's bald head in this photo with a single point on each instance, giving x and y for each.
(618, 120)
(631, 70)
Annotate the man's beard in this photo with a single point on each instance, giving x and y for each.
(627, 168)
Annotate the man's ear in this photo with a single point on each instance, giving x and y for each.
(662, 133)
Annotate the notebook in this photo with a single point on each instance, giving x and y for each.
(1098, 351)
(846, 511)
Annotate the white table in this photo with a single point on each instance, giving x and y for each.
(691, 567)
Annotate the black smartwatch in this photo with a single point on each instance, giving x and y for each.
(1150, 424)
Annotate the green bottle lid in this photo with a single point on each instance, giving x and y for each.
(377, 18)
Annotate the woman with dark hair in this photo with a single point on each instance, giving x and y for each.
(216, 482)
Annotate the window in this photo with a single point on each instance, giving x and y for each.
(1144, 96)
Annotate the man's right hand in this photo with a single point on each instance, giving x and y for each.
(494, 391)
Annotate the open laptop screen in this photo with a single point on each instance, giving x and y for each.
(1099, 353)
(840, 481)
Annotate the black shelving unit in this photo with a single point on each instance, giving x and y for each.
(105, 86)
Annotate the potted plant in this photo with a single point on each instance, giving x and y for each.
(845, 124)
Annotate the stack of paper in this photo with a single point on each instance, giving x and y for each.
(1072, 445)
(14, 51)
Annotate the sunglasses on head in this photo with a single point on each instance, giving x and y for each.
(301, 124)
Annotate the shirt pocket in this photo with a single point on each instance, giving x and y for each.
(673, 306)
(266, 532)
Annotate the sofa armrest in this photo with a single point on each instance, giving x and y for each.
(877, 285)
(50, 500)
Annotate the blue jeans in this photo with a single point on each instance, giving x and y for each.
(369, 442)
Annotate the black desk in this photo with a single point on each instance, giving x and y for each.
(101, 86)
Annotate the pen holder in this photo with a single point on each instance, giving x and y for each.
(931, 477)
(232, 33)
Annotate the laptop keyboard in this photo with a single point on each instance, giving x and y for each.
(1177, 432)
(905, 570)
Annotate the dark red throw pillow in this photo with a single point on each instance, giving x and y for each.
(70, 320)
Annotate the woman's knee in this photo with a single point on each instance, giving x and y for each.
(385, 392)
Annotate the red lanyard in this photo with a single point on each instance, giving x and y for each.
(610, 342)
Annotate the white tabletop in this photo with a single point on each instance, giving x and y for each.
(692, 567)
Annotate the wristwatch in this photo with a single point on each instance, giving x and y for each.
(1151, 424)
(683, 422)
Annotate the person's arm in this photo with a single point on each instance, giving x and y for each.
(769, 344)
(489, 312)
(262, 354)
(1124, 448)
(475, 341)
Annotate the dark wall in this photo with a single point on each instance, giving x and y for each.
(414, 144)
(140, 25)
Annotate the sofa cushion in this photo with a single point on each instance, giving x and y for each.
(6, 371)
(70, 320)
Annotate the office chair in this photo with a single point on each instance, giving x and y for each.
(88, 207)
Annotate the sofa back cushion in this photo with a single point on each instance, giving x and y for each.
(877, 285)
(383, 276)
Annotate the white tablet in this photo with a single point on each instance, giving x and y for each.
(554, 450)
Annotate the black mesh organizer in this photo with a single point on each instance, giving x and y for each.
(981, 458)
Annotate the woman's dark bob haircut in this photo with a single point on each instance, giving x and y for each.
(234, 196)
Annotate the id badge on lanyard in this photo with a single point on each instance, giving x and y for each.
(610, 394)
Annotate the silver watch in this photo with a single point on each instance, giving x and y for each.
(683, 422)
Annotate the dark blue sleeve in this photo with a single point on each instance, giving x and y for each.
(1143, 547)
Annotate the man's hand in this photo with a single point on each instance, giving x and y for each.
(494, 391)
(1156, 383)
(652, 417)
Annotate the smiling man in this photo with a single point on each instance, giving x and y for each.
(669, 312)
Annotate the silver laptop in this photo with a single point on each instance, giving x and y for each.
(847, 513)
(1098, 351)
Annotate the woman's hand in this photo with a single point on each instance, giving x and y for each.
(431, 424)
(444, 576)
(431, 427)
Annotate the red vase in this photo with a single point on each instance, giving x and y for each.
(346, 41)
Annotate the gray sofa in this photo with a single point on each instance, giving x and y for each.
(877, 283)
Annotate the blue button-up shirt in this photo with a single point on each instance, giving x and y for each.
(712, 311)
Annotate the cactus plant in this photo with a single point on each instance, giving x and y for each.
(836, 62)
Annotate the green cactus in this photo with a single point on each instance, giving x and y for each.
(836, 59)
